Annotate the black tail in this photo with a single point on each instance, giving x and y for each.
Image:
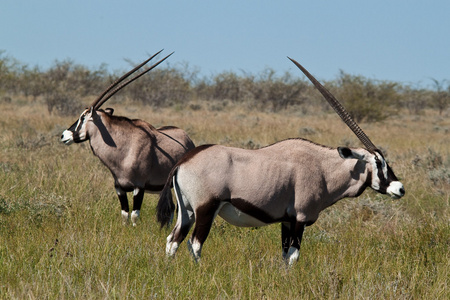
(166, 207)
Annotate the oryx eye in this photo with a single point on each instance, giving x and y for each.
(377, 159)
(80, 120)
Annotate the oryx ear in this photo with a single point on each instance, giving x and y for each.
(347, 153)
(109, 111)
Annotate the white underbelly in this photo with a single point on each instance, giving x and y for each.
(238, 218)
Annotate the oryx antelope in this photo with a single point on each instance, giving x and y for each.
(289, 182)
(138, 155)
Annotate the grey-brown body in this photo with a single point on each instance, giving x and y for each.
(289, 182)
(138, 155)
(294, 178)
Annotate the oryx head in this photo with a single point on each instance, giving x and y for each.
(78, 131)
(382, 178)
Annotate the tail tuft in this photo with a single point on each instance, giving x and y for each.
(166, 207)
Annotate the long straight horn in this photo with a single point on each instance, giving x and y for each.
(339, 108)
(123, 77)
(124, 84)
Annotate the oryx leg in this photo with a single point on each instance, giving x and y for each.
(123, 204)
(138, 196)
(204, 217)
(285, 238)
(184, 223)
(296, 234)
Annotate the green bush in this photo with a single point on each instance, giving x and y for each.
(367, 99)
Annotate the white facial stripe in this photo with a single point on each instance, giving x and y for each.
(79, 119)
(78, 123)
(375, 179)
(383, 165)
(384, 169)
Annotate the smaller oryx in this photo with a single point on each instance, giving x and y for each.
(289, 182)
(138, 155)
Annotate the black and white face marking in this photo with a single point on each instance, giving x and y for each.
(383, 179)
(77, 132)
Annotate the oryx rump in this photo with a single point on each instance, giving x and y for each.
(138, 155)
(289, 182)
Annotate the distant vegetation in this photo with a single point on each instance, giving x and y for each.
(65, 86)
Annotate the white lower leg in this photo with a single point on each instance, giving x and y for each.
(135, 216)
(169, 243)
(125, 217)
(292, 255)
(171, 248)
(195, 248)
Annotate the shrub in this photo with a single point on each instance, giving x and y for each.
(366, 99)
(279, 92)
(415, 99)
(62, 103)
(160, 88)
(441, 97)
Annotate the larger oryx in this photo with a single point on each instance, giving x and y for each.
(138, 155)
(289, 182)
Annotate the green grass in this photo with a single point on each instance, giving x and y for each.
(61, 235)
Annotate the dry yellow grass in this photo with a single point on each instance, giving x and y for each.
(61, 235)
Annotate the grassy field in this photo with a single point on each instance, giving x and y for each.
(61, 235)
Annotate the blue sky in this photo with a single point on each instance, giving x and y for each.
(405, 41)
